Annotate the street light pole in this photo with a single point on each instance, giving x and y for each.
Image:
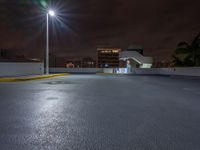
(47, 46)
(49, 13)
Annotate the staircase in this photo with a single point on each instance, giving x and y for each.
(145, 62)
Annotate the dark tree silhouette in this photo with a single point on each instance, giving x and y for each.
(190, 53)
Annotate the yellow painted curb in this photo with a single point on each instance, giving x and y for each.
(18, 79)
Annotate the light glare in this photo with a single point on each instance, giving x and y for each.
(51, 13)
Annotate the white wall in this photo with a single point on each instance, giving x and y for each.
(185, 71)
(18, 69)
(145, 71)
(108, 70)
(76, 70)
(190, 71)
(87, 70)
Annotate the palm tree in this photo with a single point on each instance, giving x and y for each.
(176, 61)
(190, 52)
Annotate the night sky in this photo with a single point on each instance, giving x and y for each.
(82, 25)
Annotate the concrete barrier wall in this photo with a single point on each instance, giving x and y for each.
(145, 71)
(76, 70)
(19, 69)
(86, 70)
(185, 71)
(108, 70)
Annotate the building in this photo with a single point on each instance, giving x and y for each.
(73, 63)
(108, 57)
(88, 62)
(70, 65)
(7, 55)
(135, 58)
(136, 48)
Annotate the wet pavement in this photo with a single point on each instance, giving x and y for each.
(100, 112)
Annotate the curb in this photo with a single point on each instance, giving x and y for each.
(18, 79)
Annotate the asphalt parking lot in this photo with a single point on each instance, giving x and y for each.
(101, 112)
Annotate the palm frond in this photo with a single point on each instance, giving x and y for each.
(177, 61)
(197, 51)
(182, 51)
(188, 61)
(196, 40)
(183, 44)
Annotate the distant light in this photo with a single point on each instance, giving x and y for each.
(51, 13)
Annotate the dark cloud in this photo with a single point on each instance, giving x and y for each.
(158, 25)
